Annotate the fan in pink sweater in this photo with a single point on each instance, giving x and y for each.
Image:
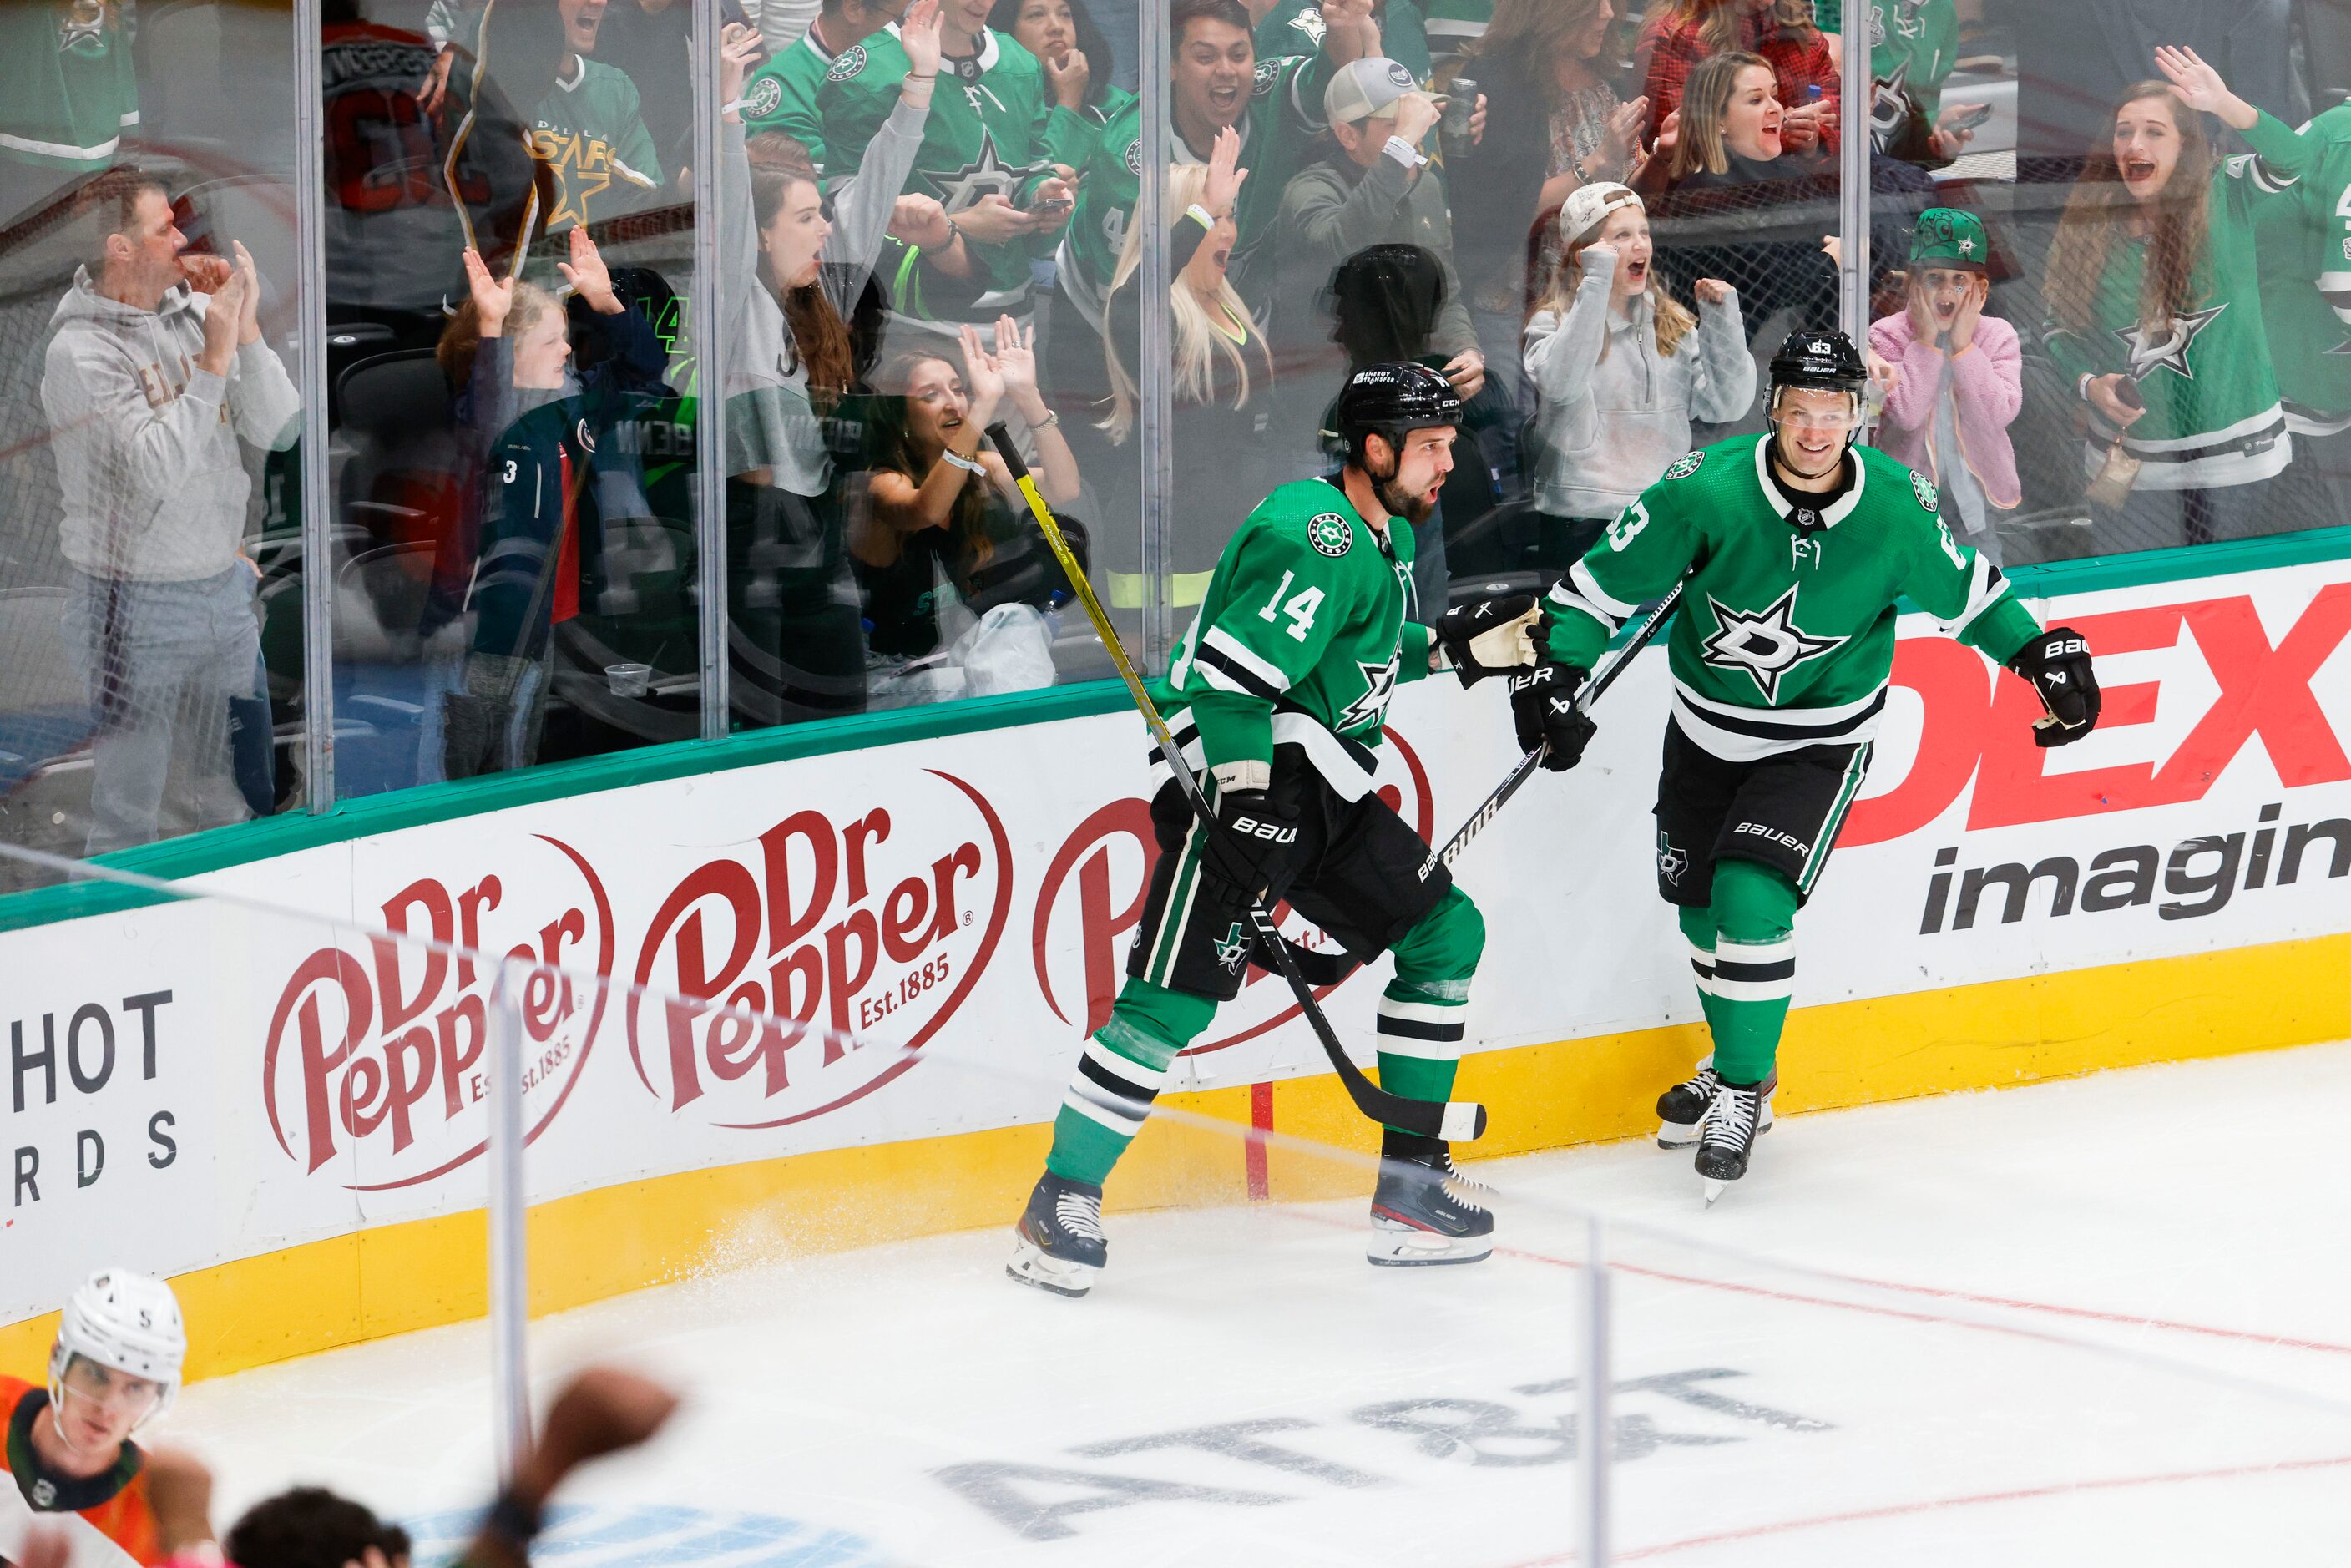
(1953, 378)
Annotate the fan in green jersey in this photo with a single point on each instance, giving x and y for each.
(1796, 547)
(2154, 294)
(68, 91)
(2303, 248)
(1215, 80)
(782, 94)
(1278, 697)
(984, 158)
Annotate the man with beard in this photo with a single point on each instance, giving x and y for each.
(1278, 695)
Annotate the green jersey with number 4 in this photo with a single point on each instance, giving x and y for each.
(1300, 640)
(1786, 634)
(2305, 248)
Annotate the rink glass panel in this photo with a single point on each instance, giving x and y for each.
(149, 613)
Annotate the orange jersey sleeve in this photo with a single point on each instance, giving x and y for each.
(124, 1516)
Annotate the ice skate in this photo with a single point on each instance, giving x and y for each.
(1061, 1246)
(1735, 1119)
(1681, 1108)
(1421, 1211)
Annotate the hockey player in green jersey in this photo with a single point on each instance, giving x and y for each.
(1795, 546)
(983, 157)
(1277, 696)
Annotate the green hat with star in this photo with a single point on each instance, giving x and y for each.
(1950, 236)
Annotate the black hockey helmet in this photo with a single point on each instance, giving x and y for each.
(1826, 361)
(1393, 399)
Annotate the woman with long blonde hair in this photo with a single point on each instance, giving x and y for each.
(1222, 370)
(2153, 291)
(1621, 368)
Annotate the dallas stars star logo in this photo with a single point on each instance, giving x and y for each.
(2168, 352)
(1765, 645)
(1379, 682)
(1232, 948)
(985, 174)
(1890, 105)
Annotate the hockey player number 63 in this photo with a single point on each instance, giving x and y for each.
(1301, 609)
(1622, 531)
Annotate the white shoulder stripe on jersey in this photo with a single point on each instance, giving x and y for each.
(1986, 587)
(1588, 587)
(1232, 648)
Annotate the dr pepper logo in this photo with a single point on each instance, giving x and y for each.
(376, 1060)
(763, 970)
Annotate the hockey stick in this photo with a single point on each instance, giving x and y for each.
(1324, 968)
(1458, 1121)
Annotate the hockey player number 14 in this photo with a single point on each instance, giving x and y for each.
(1301, 609)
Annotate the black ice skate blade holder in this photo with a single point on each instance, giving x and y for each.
(1454, 1121)
(1330, 968)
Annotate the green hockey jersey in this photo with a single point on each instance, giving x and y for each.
(782, 96)
(1295, 27)
(2213, 413)
(1452, 24)
(1299, 641)
(1913, 45)
(66, 89)
(1786, 634)
(2304, 249)
(987, 134)
(1277, 133)
(587, 132)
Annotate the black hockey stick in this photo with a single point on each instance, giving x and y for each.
(1329, 969)
(1456, 1120)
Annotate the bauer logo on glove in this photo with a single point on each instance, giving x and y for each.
(2057, 663)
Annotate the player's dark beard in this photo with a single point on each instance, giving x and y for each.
(1401, 503)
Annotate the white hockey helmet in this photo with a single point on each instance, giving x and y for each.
(125, 1321)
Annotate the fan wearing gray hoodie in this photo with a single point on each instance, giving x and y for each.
(156, 373)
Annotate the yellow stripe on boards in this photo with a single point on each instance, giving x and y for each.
(600, 1244)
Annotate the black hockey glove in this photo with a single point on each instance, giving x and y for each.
(1492, 637)
(1542, 701)
(2057, 663)
(1253, 833)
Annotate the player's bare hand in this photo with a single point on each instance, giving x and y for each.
(1069, 79)
(493, 297)
(1467, 373)
(738, 48)
(601, 1411)
(992, 220)
(919, 35)
(433, 90)
(1225, 176)
(1712, 291)
(588, 276)
(2101, 393)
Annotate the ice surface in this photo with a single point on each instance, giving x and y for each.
(2100, 1321)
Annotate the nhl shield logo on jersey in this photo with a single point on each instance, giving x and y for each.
(1685, 465)
(851, 61)
(1765, 645)
(765, 97)
(1924, 488)
(1329, 532)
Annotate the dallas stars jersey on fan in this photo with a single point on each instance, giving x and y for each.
(986, 135)
(1300, 640)
(1296, 28)
(1913, 45)
(588, 131)
(2305, 248)
(2213, 416)
(1277, 132)
(1785, 635)
(781, 96)
(67, 89)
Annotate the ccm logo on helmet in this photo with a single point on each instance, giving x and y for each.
(1271, 832)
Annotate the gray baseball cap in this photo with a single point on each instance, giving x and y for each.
(1365, 87)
